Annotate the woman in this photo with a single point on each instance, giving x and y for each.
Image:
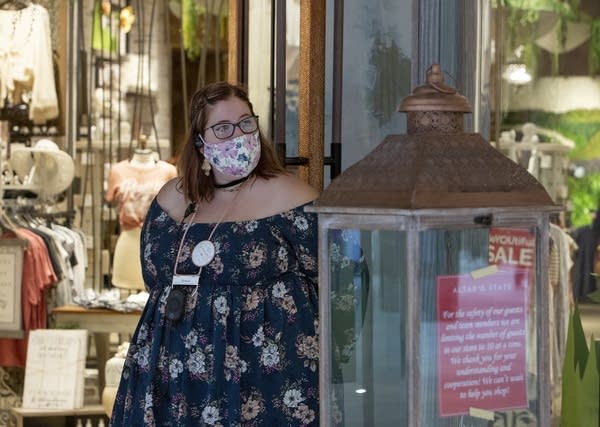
(229, 332)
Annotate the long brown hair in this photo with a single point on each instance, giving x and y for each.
(194, 184)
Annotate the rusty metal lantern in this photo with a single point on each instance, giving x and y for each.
(432, 251)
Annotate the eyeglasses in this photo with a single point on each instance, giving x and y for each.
(225, 130)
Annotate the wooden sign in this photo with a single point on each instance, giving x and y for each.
(54, 373)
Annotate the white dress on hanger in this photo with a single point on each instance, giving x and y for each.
(26, 65)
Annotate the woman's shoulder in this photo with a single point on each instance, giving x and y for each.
(295, 186)
(171, 199)
(288, 190)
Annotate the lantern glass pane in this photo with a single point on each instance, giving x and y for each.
(368, 316)
(477, 336)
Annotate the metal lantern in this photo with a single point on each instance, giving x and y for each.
(433, 252)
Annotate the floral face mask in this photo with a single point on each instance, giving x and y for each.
(236, 157)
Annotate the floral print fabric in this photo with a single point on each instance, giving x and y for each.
(245, 352)
(235, 157)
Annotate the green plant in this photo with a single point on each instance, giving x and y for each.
(583, 127)
(580, 378)
(591, 150)
(584, 194)
(578, 125)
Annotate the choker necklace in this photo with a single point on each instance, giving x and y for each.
(232, 183)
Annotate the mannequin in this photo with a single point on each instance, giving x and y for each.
(127, 268)
(143, 156)
(132, 184)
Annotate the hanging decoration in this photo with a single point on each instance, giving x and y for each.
(203, 25)
(557, 26)
(104, 37)
(190, 17)
(126, 19)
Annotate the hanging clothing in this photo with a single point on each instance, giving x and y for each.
(74, 241)
(587, 239)
(26, 65)
(48, 280)
(562, 248)
(38, 275)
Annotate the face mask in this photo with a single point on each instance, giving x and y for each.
(236, 157)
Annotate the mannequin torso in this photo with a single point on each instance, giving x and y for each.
(144, 158)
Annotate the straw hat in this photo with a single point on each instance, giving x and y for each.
(44, 168)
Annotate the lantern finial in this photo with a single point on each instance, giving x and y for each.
(435, 78)
(435, 106)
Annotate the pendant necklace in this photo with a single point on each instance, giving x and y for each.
(203, 253)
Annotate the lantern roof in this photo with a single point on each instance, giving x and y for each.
(435, 165)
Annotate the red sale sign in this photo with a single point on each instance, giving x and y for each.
(512, 246)
(482, 341)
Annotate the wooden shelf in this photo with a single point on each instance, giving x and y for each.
(89, 411)
(86, 410)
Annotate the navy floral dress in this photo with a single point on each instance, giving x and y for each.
(245, 352)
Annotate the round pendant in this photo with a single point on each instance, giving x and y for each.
(203, 253)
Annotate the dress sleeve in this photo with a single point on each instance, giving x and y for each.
(301, 233)
(146, 245)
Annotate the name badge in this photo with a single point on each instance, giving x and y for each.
(186, 280)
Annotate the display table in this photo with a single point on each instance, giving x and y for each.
(96, 319)
(91, 412)
(100, 322)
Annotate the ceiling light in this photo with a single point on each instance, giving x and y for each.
(516, 74)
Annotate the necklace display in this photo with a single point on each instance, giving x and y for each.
(202, 254)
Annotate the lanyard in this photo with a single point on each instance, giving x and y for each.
(203, 252)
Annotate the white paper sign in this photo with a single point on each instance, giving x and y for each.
(7, 287)
(11, 272)
(54, 373)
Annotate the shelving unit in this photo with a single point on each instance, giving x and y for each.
(94, 413)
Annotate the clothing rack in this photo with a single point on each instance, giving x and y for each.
(27, 204)
(23, 199)
(68, 216)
